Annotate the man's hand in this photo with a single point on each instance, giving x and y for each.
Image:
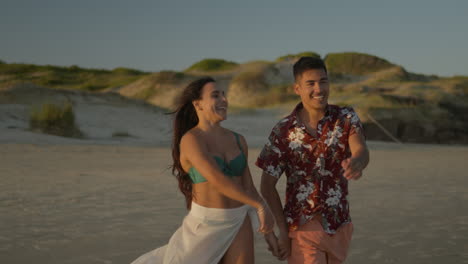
(284, 246)
(359, 159)
(352, 168)
(272, 242)
(269, 191)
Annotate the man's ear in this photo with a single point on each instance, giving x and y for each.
(296, 88)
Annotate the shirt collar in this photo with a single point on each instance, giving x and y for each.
(293, 119)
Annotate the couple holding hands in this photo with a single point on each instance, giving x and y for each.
(319, 146)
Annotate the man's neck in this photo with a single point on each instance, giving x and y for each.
(311, 116)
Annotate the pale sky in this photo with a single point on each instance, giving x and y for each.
(424, 36)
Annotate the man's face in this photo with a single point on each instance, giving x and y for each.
(313, 88)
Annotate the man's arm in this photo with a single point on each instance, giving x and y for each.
(359, 159)
(270, 194)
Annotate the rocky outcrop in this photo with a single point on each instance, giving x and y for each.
(415, 125)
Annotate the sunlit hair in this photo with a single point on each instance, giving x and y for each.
(185, 119)
(307, 63)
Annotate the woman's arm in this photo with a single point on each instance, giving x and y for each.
(247, 180)
(197, 154)
(249, 186)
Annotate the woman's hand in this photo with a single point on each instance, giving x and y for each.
(265, 217)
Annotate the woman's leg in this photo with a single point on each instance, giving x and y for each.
(241, 250)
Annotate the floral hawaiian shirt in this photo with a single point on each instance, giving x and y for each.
(315, 181)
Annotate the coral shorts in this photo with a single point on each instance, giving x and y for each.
(312, 245)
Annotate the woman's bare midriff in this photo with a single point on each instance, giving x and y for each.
(206, 195)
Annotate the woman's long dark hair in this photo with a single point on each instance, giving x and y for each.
(185, 119)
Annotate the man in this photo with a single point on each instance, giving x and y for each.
(319, 147)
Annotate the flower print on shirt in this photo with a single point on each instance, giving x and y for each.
(320, 165)
(326, 226)
(304, 191)
(274, 148)
(333, 137)
(295, 138)
(353, 118)
(334, 196)
(312, 164)
(344, 111)
(273, 171)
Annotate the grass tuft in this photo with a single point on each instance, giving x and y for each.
(56, 120)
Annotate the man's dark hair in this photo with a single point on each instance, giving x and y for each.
(307, 63)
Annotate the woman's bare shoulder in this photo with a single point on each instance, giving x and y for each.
(192, 139)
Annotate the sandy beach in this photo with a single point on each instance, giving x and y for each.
(109, 204)
(108, 199)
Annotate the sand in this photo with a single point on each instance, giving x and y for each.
(109, 204)
(108, 199)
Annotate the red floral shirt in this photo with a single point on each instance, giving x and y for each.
(315, 181)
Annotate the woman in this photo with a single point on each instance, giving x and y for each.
(210, 163)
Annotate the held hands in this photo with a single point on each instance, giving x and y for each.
(352, 168)
(272, 242)
(279, 247)
(265, 217)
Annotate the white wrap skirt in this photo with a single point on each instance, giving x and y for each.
(203, 238)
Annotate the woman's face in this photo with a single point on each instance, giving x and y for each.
(213, 103)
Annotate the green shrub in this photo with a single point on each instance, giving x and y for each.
(72, 77)
(459, 77)
(168, 76)
(355, 63)
(55, 119)
(298, 55)
(49, 80)
(212, 65)
(75, 68)
(126, 71)
(17, 68)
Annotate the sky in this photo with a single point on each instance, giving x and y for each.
(424, 36)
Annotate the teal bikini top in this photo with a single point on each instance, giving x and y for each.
(233, 168)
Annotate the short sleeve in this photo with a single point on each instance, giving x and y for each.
(272, 158)
(355, 122)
